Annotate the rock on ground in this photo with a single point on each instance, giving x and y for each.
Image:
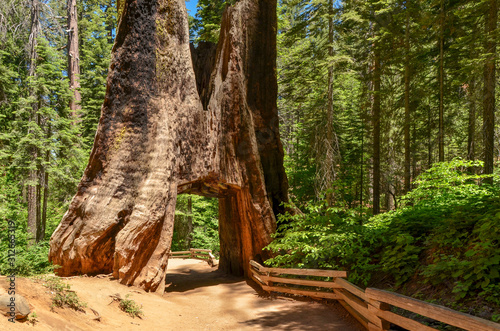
(19, 305)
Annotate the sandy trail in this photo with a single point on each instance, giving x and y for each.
(198, 298)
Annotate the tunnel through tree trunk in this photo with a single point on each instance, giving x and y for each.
(155, 140)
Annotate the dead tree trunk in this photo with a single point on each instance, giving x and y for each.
(34, 172)
(73, 60)
(155, 141)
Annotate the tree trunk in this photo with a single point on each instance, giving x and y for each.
(331, 138)
(471, 91)
(441, 84)
(43, 223)
(189, 226)
(73, 60)
(245, 89)
(429, 137)
(155, 141)
(407, 169)
(376, 131)
(491, 14)
(414, 152)
(33, 178)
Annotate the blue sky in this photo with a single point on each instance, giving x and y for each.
(191, 6)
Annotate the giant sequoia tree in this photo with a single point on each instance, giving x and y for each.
(155, 140)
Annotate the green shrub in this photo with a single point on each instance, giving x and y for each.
(329, 238)
(446, 233)
(131, 307)
(62, 295)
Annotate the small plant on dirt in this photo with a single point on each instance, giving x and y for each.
(131, 307)
(63, 296)
(32, 318)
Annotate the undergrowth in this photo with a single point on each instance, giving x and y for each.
(131, 307)
(445, 237)
(62, 295)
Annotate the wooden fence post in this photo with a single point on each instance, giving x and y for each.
(374, 307)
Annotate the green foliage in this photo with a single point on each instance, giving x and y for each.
(34, 116)
(206, 23)
(131, 307)
(32, 318)
(324, 237)
(447, 184)
(446, 234)
(95, 28)
(29, 260)
(198, 227)
(62, 295)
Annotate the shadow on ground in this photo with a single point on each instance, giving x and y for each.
(191, 279)
(307, 318)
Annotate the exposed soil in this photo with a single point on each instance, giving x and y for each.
(197, 298)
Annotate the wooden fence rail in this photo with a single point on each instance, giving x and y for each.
(195, 253)
(371, 307)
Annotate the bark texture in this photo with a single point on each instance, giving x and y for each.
(33, 194)
(73, 59)
(155, 140)
(491, 17)
(376, 129)
(203, 64)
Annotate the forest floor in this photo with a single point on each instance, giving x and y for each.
(198, 297)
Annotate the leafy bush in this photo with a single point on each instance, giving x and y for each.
(329, 238)
(131, 307)
(29, 260)
(446, 234)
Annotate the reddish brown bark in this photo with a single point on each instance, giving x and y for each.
(155, 141)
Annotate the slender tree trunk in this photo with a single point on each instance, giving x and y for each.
(40, 178)
(361, 162)
(329, 164)
(407, 170)
(364, 108)
(471, 132)
(43, 223)
(414, 152)
(33, 189)
(73, 60)
(189, 221)
(376, 130)
(441, 84)
(491, 15)
(429, 137)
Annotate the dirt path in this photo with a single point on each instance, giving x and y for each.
(198, 298)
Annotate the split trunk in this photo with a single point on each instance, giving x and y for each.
(155, 141)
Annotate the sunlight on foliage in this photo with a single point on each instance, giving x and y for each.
(445, 234)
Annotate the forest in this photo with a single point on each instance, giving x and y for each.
(388, 120)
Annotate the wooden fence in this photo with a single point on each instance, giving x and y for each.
(195, 253)
(371, 307)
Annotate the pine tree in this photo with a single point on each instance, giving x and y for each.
(207, 19)
(95, 54)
